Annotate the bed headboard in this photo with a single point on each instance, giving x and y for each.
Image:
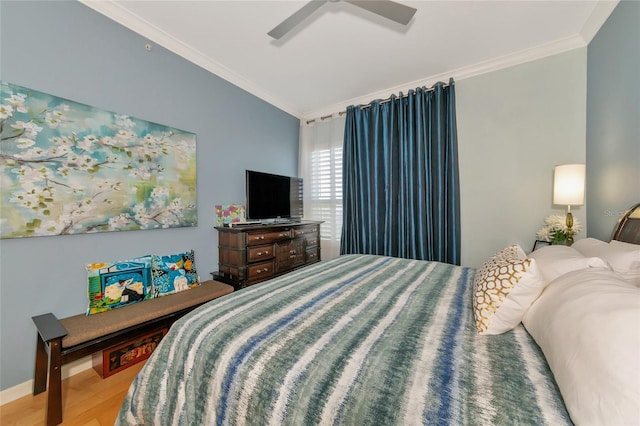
(628, 227)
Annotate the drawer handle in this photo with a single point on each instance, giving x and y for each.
(259, 271)
(283, 235)
(261, 237)
(293, 256)
(292, 252)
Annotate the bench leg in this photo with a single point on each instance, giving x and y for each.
(42, 362)
(53, 413)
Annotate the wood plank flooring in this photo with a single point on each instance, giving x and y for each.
(87, 399)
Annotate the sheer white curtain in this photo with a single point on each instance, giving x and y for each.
(320, 166)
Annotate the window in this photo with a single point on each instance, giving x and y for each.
(321, 169)
(325, 192)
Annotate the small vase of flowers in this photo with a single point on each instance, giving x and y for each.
(556, 231)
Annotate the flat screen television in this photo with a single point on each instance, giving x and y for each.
(273, 197)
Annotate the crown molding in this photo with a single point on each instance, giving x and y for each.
(597, 19)
(484, 67)
(135, 23)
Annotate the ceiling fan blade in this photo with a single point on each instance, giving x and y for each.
(388, 9)
(303, 13)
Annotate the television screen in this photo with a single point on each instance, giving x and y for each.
(271, 196)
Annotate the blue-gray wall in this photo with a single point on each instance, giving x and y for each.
(68, 50)
(613, 119)
(514, 126)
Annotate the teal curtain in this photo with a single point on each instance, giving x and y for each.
(401, 189)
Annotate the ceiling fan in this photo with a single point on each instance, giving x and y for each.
(386, 8)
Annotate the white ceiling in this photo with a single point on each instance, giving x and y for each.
(344, 55)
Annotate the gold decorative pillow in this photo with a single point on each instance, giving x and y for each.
(504, 288)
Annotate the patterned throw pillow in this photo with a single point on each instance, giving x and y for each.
(174, 273)
(116, 284)
(504, 288)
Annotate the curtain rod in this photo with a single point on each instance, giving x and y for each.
(324, 117)
(383, 101)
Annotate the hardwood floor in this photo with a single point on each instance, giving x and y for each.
(87, 399)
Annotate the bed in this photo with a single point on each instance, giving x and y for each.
(365, 339)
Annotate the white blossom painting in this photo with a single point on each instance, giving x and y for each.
(69, 168)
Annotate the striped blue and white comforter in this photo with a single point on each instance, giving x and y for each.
(357, 340)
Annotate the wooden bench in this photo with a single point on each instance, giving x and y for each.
(75, 337)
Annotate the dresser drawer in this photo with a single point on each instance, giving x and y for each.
(260, 270)
(258, 253)
(268, 237)
(312, 240)
(312, 255)
(304, 230)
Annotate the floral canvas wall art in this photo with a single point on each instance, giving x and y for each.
(69, 168)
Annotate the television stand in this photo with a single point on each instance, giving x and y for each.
(251, 254)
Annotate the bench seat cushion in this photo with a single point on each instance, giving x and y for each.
(82, 328)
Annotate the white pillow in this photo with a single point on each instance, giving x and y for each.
(625, 246)
(504, 288)
(624, 258)
(556, 260)
(586, 323)
(633, 250)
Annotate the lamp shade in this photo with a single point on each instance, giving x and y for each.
(568, 184)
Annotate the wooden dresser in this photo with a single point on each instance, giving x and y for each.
(250, 254)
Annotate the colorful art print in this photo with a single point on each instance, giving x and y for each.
(174, 273)
(131, 353)
(69, 168)
(117, 284)
(229, 213)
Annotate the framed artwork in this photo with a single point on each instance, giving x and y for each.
(69, 168)
(229, 213)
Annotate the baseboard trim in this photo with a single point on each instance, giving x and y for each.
(24, 389)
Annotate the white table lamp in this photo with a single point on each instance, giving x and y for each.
(568, 190)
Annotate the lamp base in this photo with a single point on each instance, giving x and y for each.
(569, 222)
